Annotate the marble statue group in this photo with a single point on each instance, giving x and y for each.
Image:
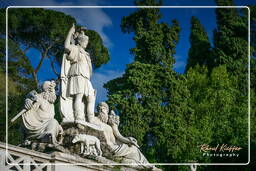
(81, 131)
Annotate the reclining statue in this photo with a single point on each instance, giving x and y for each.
(116, 144)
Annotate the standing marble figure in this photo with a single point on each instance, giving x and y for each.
(76, 71)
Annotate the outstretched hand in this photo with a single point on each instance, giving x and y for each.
(133, 141)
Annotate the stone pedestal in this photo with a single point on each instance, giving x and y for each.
(22, 159)
(72, 129)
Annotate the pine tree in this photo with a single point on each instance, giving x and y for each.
(199, 52)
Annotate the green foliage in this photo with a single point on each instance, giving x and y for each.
(231, 49)
(15, 99)
(231, 40)
(19, 67)
(38, 28)
(172, 114)
(199, 52)
(219, 91)
(214, 97)
(151, 98)
(156, 115)
(19, 83)
(155, 42)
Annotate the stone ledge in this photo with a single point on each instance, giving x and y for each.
(55, 159)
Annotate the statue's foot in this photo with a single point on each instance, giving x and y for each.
(154, 168)
(67, 121)
(92, 119)
(26, 143)
(80, 121)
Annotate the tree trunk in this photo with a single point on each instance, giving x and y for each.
(35, 77)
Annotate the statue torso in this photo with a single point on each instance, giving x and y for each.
(80, 62)
(45, 110)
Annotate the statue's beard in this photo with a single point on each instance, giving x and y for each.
(103, 117)
(50, 96)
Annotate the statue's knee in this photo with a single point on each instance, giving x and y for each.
(53, 122)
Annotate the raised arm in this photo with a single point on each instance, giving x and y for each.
(68, 39)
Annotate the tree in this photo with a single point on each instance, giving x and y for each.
(45, 31)
(155, 42)
(231, 49)
(151, 98)
(19, 83)
(199, 52)
(231, 40)
(223, 96)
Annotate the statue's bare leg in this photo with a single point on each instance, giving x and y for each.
(97, 144)
(79, 113)
(90, 107)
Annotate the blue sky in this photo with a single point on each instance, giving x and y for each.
(107, 23)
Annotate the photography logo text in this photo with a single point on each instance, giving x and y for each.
(220, 150)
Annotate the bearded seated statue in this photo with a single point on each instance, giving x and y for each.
(38, 120)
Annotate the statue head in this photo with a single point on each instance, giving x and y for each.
(82, 39)
(113, 118)
(48, 88)
(103, 110)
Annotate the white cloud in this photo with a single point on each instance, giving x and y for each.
(99, 78)
(92, 18)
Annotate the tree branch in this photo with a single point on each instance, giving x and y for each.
(35, 77)
(26, 49)
(44, 54)
(28, 62)
(53, 68)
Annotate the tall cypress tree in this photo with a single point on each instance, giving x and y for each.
(231, 39)
(231, 50)
(219, 97)
(199, 52)
(228, 93)
(150, 97)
